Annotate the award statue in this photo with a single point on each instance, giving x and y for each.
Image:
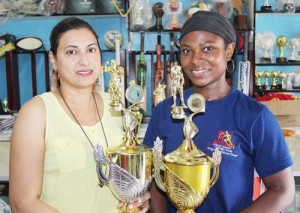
(258, 79)
(158, 13)
(266, 75)
(177, 86)
(266, 7)
(275, 76)
(129, 164)
(187, 170)
(265, 42)
(281, 43)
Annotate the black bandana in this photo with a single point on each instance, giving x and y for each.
(210, 22)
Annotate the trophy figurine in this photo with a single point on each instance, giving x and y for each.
(281, 43)
(258, 76)
(187, 175)
(266, 75)
(282, 76)
(158, 13)
(129, 164)
(265, 42)
(116, 72)
(275, 76)
(177, 86)
(266, 7)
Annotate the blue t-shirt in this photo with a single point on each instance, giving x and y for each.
(246, 133)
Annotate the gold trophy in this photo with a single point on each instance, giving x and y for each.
(275, 76)
(129, 164)
(187, 175)
(281, 43)
(266, 75)
(258, 79)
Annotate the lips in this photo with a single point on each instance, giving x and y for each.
(198, 72)
(85, 72)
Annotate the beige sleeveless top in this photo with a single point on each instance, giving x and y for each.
(70, 183)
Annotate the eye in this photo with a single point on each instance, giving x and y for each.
(92, 50)
(71, 52)
(186, 51)
(208, 49)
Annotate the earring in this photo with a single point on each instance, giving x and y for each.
(230, 66)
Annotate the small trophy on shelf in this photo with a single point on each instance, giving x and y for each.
(158, 13)
(282, 76)
(281, 43)
(265, 43)
(181, 166)
(258, 76)
(275, 76)
(266, 7)
(266, 85)
(129, 164)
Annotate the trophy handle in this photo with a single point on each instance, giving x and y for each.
(216, 158)
(215, 175)
(100, 161)
(157, 175)
(101, 175)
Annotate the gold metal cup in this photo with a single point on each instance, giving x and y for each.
(129, 164)
(188, 173)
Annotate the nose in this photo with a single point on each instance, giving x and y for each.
(84, 59)
(196, 57)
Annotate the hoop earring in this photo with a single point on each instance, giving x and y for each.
(230, 66)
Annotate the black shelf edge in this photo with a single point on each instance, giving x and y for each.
(276, 90)
(275, 64)
(276, 12)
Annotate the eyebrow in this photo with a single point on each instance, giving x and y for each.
(74, 46)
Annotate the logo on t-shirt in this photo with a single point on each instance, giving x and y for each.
(224, 142)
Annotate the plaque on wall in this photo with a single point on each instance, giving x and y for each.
(107, 7)
(80, 7)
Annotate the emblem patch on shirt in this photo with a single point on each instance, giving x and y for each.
(224, 142)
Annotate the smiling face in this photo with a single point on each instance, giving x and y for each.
(204, 58)
(78, 58)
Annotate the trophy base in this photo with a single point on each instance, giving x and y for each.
(178, 112)
(265, 60)
(116, 106)
(293, 61)
(266, 9)
(266, 87)
(186, 211)
(281, 60)
(258, 87)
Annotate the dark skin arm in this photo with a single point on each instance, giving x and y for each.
(158, 202)
(279, 195)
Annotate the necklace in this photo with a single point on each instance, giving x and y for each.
(80, 124)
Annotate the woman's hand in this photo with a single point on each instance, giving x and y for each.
(137, 205)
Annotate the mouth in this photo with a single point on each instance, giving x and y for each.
(199, 72)
(86, 72)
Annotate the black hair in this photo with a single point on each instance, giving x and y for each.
(65, 25)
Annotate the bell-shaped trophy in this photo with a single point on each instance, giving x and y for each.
(129, 164)
(188, 173)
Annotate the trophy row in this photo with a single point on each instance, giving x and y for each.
(267, 46)
(272, 80)
(286, 6)
(129, 168)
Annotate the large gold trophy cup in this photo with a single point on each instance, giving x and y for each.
(129, 164)
(186, 174)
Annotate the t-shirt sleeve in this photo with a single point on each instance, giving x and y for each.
(271, 151)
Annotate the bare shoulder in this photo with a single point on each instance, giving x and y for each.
(31, 118)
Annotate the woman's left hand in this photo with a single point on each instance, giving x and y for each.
(138, 205)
